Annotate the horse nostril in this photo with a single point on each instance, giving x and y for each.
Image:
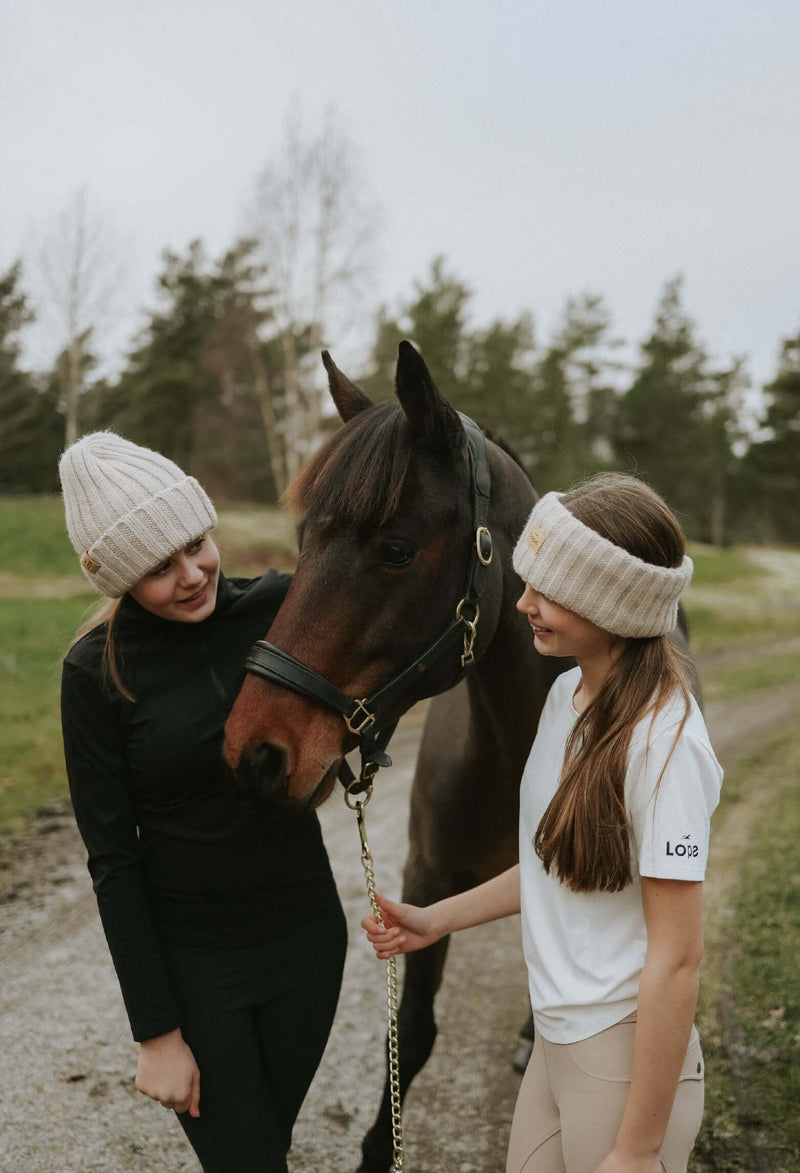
(268, 763)
(263, 773)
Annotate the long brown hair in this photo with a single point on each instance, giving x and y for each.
(584, 833)
(106, 616)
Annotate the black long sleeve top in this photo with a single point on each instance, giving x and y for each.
(174, 850)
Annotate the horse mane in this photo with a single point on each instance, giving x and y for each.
(501, 444)
(359, 472)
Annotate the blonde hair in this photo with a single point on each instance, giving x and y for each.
(106, 616)
(584, 833)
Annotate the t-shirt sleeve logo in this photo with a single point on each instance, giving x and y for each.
(683, 848)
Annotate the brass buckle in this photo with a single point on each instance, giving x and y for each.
(369, 718)
(482, 531)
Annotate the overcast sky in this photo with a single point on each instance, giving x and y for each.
(543, 148)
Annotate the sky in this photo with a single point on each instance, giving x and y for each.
(544, 148)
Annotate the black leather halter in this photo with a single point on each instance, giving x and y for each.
(373, 719)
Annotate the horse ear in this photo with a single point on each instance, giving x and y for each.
(347, 397)
(425, 408)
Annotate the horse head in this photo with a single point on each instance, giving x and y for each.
(385, 534)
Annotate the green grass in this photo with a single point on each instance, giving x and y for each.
(749, 1012)
(33, 538)
(34, 636)
(713, 566)
(766, 947)
(712, 629)
(762, 672)
(34, 542)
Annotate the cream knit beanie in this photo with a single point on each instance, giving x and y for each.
(574, 566)
(128, 509)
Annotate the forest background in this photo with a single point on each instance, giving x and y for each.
(224, 376)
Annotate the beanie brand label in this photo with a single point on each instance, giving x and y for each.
(89, 564)
(535, 538)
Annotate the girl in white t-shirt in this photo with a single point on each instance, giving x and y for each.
(615, 805)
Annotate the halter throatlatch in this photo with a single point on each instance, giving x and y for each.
(373, 719)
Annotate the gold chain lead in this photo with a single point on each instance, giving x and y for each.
(391, 992)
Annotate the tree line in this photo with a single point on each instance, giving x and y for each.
(224, 377)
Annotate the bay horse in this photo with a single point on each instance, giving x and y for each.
(385, 536)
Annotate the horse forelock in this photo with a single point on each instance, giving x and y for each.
(359, 473)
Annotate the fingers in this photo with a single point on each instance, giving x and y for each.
(393, 913)
(386, 907)
(194, 1106)
(385, 942)
(378, 932)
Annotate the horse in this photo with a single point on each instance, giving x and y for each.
(386, 538)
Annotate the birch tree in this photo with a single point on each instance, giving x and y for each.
(315, 229)
(80, 271)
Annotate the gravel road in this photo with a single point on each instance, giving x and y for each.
(67, 1101)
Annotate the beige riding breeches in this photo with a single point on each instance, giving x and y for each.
(572, 1097)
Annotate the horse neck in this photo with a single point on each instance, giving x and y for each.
(510, 681)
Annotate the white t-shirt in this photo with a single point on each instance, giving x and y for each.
(585, 950)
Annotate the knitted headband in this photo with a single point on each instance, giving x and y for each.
(574, 566)
(128, 508)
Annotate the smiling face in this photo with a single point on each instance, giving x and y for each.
(559, 632)
(184, 587)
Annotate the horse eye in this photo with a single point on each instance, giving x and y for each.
(395, 553)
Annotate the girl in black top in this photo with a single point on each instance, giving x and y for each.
(213, 909)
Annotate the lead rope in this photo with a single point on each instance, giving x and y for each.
(357, 804)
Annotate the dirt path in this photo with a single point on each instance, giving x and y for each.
(67, 1104)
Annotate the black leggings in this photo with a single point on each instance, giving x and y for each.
(257, 1020)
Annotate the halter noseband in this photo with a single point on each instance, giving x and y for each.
(373, 719)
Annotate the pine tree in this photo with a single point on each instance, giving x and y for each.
(204, 385)
(772, 463)
(32, 430)
(677, 420)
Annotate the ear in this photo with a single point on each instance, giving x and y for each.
(427, 411)
(347, 397)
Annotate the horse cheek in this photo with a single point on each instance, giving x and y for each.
(241, 728)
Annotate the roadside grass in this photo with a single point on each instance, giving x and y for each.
(34, 542)
(34, 635)
(742, 596)
(749, 1009)
(715, 566)
(763, 672)
(765, 947)
(727, 625)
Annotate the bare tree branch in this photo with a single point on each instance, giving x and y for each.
(80, 270)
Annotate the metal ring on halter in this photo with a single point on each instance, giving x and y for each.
(363, 795)
(469, 622)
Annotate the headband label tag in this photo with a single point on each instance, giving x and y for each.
(89, 564)
(535, 538)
